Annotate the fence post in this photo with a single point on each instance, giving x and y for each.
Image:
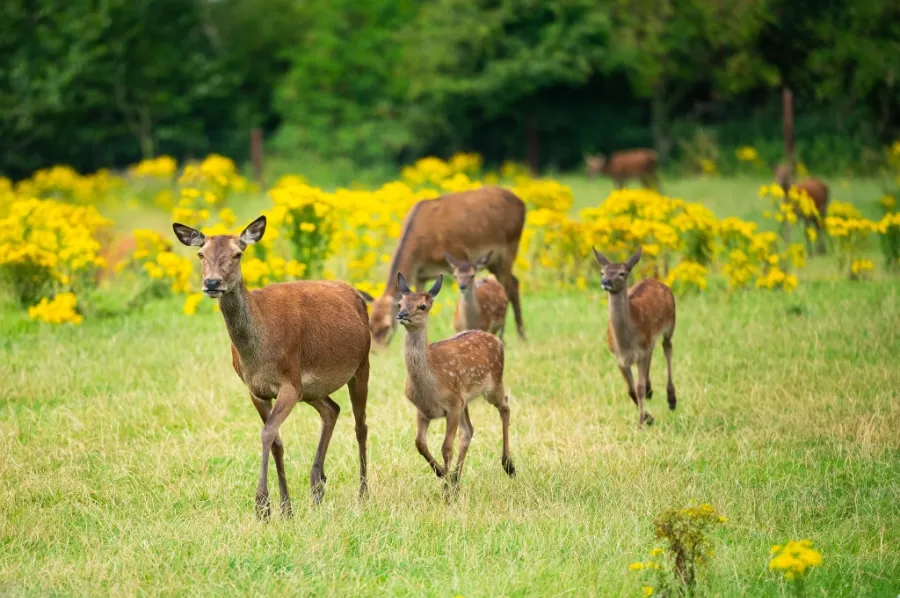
(788, 108)
(256, 153)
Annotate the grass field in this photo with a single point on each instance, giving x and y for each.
(129, 454)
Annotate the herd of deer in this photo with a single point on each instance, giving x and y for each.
(304, 340)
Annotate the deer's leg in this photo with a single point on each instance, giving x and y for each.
(643, 373)
(649, 394)
(422, 423)
(499, 400)
(510, 283)
(264, 408)
(359, 394)
(670, 386)
(629, 379)
(466, 431)
(454, 415)
(329, 411)
(284, 403)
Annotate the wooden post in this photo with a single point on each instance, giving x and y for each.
(532, 143)
(256, 153)
(788, 107)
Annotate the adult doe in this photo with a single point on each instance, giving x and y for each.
(291, 341)
(466, 224)
(818, 192)
(443, 377)
(637, 317)
(627, 164)
(482, 302)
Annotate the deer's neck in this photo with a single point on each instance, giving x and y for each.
(620, 318)
(469, 302)
(237, 309)
(416, 353)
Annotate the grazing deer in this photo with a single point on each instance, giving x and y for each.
(624, 165)
(637, 316)
(818, 192)
(443, 377)
(291, 341)
(467, 224)
(482, 302)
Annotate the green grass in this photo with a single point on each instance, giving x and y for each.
(129, 453)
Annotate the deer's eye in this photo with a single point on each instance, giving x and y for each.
(201, 256)
(422, 307)
(237, 256)
(621, 275)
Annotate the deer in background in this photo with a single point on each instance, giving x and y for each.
(818, 192)
(628, 164)
(637, 317)
(443, 377)
(482, 302)
(465, 224)
(292, 342)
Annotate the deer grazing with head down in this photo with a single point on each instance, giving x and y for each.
(482, 302)
(443, 377)
(292, 342)
(818, 192)
(637, 317)
(466, 224)
(628, 164)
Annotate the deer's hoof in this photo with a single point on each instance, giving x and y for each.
(509, 468)
(287, 510)
(263, 511)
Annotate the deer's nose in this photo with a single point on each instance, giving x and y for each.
(212, 283)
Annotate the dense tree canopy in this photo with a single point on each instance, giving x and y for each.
(105, 83)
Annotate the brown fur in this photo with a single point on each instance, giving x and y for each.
(443, 377)
(482, 303)
(628, 164)
(466, 224)
(292, 341)
(817, 191)
(637, 317)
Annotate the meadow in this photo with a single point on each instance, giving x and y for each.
(130, 448)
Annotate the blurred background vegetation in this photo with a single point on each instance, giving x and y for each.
(364, 86)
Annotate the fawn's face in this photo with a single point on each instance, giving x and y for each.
(464, 272)
(414, 307)
(594, 164)
(615, 276)
(220, 255)
(382, 319)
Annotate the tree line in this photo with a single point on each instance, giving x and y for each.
(379, 82)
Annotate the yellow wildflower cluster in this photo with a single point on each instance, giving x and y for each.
(65, 183)
(205, 187)
(687, 276)
(794, 559)
(46, 243)
(161, 167)
(153, 257)
(61, 310)
(747, 154)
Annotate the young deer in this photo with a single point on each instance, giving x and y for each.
(637, 316)
(443, 377)
(627, 164)
(818, 192)
(292, 341)
(482, 303)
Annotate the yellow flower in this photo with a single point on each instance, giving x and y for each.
(61, 310)
(656, 552)
(191, 302)
(635, 566)
(648, 590)
(307, 227)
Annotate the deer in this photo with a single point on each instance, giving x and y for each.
(443, 377)
(291, 342)
(817, 191)
(634, 163)
(465, 224)
(482, 303)
(637, 317)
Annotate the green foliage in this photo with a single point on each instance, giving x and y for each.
(686, 533)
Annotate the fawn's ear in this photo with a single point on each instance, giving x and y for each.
(254, 231)
(188, 236)
(483, 260)
(436, 287)
(451, 260)
(366, 297)
(633, 260)
(401, 284)
(601, 259)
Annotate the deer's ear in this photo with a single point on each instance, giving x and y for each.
(436, 287)
(483, 260)
(366, 297)
(601, 259)
(188, 236)
(633, 260)
(254, 231)
(451, 260)
(401, 284)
